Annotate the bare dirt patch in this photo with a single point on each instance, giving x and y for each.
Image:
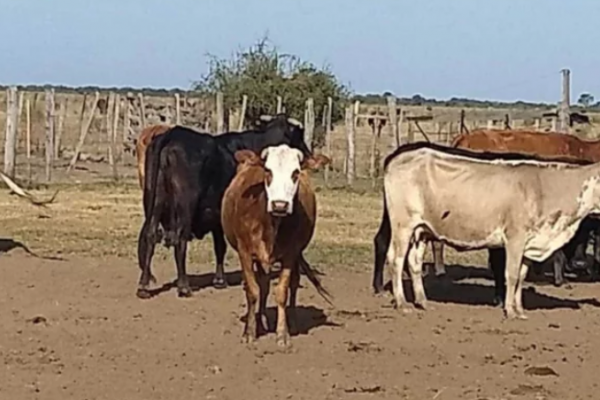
(74, 329)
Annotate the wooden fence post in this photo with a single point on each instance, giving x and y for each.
(126, 118)
(108, 127)
(220, 113)
(461, 125)
(565, 103)
(49, 133)
(400, 128)
(142, 110)
(490, 124)
(374, 153)
(113, 137)
(537, 124)
(279, 105)
(309, 122)
(10, 140)
(177, 109)
(350, 138)
(410, 134)
(84, 131)
(28, 137)
(393, 119)
(243, 112)
(328, 136)
(62, 114)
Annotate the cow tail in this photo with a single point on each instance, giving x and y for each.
(151, 166)
(381, 243)
(312, 277)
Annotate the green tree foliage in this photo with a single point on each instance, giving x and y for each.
(585, 99)
(262, 73)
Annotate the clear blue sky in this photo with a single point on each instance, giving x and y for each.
(487, 49)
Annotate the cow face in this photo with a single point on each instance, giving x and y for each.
(282, 166)
(282, 170)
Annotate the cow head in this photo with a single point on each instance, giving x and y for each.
(282, 166)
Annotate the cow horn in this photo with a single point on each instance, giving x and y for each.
(266, 118)
(294, 121)
(22, 193)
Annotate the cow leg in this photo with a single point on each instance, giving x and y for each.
(381, 244)
(596, 267)
(264, 287)
(559, 262)
(438, 258)
(183, 284)
(415, 267)
(294, 285)
(497, 263)
(396, 257)
(220, 248)
(520, 312)
(252, 293)
(146, 246)
(281, 294)
(514, 262)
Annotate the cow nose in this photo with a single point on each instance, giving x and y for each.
(279, 206)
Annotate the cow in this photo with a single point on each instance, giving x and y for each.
(557, 146)
(475, 200)
(268, 215)
(547, 145)
(142, 142)
(186, 174)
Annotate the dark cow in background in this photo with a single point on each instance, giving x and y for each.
(186, 174)
(268, 215)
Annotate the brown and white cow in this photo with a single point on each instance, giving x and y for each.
(472, 200)
(268, 215)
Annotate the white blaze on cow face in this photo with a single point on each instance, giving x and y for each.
(282, 169)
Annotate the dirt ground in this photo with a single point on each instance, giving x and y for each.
(73, 328)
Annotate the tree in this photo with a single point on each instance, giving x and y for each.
(262, 73)
(585, 99)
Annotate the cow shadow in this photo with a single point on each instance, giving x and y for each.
(7, 245)
(204, 281)
(199, 282)
(451, 289)
(307, 319)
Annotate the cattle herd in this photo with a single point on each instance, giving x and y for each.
(526, 197)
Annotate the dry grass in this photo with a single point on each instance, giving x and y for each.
(100, 220)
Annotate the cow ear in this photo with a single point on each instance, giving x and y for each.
(315, 162)
(246, 156)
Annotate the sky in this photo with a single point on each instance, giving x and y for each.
(485, 49)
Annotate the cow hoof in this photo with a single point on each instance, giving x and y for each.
(219, 283)
(497, 302)
(184, 292)
(248, 339)
(283, 340)
(422, 305)
(143, 294)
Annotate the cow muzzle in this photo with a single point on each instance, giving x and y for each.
(280, 208)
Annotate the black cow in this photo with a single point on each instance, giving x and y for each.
(186, 174)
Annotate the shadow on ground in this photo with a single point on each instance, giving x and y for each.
(452, 289)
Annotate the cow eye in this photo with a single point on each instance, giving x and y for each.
(295, 175)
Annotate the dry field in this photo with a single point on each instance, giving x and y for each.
(71, 326)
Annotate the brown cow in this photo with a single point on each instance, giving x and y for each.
(542, 144)
(142, 142)
(268, 215)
